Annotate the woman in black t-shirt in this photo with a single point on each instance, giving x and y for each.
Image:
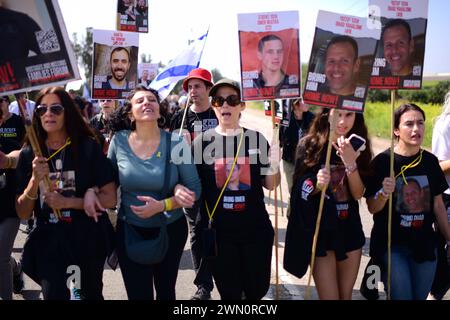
(9, 222)
(234, 168)
(73, 245)
(341, 236)
(417, 203)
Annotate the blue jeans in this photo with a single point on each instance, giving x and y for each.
(410, 280)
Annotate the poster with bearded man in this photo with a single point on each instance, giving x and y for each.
(115, 64)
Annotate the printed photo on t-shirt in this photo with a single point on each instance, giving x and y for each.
(63, 183)
(413, 200)
(338, 183)
(240, 176)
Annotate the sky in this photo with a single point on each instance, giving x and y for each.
(173, 22)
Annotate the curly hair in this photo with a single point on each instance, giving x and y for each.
(120, 118)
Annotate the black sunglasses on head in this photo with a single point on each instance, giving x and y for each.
(56, 109)
(232, 101)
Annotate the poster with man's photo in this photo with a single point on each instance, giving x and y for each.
(132, 15)
(401, 49)
(35, 51)
(147, 72)
(270, 55)
(114, 64)
(341, 62)
(282, 110)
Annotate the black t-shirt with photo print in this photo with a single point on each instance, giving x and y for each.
(72, 177)
(241, 214)
(411, 229)
(341, 228)
(195, 122)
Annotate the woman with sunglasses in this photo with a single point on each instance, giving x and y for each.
(413, 246)
(144, 155)
(341, 237)
(67, 241)
(236, 221)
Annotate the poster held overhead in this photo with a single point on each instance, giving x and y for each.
(147, 72)
(269, 55)
(401, 49)
(35, 51)
(341, 62)
(132, 15)
(114, 64)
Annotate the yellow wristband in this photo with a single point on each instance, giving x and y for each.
(168, 204)
(30, 197)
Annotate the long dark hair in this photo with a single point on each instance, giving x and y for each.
(311, 148)
(120, 119)
(76, 128)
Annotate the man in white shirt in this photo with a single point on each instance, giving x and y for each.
(30, 105)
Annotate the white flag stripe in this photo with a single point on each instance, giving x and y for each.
(179, 67)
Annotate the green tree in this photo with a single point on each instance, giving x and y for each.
(83, 51)
(437, 93)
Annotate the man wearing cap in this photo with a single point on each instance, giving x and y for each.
(199, 118)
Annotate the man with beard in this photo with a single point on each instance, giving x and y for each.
(120, 65)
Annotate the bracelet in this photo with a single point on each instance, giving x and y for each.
(351, 168)
(168, 204)
(30, 197)
(91, 189)
(381, 193)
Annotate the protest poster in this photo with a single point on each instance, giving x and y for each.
(269, 55)
(341, 61)
(401, 49)
(35, 51)
(282, 110)
(114, 64)
(147, 72)
(132, 15)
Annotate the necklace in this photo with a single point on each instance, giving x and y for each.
(58, 167)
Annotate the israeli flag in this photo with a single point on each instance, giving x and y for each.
(179, 67)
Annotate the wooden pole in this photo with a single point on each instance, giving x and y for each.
(391, 174)
(184, 115)
(275, 203)
(333, 120)
(281, 200)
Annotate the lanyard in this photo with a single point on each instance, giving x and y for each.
(60, 149)
(413, 164)
(210, 215)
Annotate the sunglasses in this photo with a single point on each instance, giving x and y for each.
(56, 109)
(3, 100)
(232, 101)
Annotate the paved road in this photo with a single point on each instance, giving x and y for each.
(290, 288)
